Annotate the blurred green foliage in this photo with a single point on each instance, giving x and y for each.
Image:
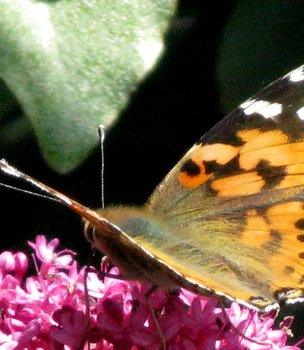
(72, 65)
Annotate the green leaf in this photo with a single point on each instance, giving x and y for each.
(73, 63)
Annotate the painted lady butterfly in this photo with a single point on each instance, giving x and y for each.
(228, 219)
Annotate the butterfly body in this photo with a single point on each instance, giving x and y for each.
(228, 219)
(175, 255)
(156, 242)
(139, 227)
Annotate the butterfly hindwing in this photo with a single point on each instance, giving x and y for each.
(240, 190)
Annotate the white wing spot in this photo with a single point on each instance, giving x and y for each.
(300, 113)
(294, 300)
(247, 103)
(264, 108)
(296, 75)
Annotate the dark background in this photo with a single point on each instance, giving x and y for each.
(217, 54)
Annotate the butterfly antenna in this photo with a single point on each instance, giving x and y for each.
(87, 302)
(28, 192)
(86, 213)
(102, 135)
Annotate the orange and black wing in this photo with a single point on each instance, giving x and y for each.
(257, 148)
(239, 191)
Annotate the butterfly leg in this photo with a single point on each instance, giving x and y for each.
(103, 274)
(105, 266)
(87, 305)
(155, 319)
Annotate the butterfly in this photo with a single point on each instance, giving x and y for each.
(228, 219)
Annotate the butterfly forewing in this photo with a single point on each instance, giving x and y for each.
(240, 191)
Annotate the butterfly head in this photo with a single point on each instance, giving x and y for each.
(89, 231)
(124, 219)
(128, 231)
(127, 219)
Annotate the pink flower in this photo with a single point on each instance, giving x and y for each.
(50, 310)
(45, 252)
(17, 264)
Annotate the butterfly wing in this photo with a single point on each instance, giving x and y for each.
(239, 192)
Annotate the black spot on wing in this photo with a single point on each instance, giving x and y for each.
(288, 270)
(272, 175)
(301, 279)
(211, 166)
(300, 224)
(228, 169)
(190, 168)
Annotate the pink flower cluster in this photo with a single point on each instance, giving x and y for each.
(51, 310)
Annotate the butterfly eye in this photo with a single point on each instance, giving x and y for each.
(89, 231)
